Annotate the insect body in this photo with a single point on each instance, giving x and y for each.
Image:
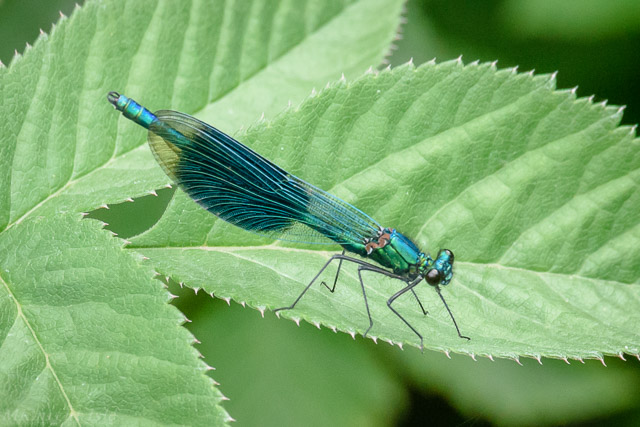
(238, 185)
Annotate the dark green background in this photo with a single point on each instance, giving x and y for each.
(278, 374)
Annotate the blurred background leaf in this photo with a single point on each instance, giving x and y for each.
(593, 44)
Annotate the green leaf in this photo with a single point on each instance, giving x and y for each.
(88, 337)
(534, 190)
(65, 151)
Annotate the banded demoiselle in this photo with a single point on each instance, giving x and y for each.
(243, 188)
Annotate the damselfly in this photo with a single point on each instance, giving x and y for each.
(240, 186)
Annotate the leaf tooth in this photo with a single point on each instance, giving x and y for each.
(566, 360)
(538, 358)
(432, 61)
(153, 193)
(517, 360)
(531, 72)
(353, 334)
(333, 328)
(474, 63)
(223, 397)
(621, 356)
(195, 341)
(374, 338)
(316, 324)
(446, 353)
(243, 304)
(229, 419)
(490, 357)
(297, 320)
(261, 310)
(185, 319)
(62, 15)
(128, 199)
(473, 356)
(401, 346)
(208, 367)
(103, 206)
(514, 70)
(601, 359)
(553, 75)
(603, 104)
(172, 296)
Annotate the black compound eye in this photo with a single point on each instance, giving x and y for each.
(433, 277)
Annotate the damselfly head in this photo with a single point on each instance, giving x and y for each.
(441, 270)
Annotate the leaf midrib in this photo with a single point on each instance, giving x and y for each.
(72, 412)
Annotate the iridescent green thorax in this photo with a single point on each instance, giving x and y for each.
(394, 250)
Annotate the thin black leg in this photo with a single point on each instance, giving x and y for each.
(451, 314)
(390, 301)
(333, 288)
(425, 312)
(340, 257)
(364, 294)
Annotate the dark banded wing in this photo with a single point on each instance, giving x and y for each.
(238, 185)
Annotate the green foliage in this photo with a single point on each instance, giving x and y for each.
(86, 336)
(512, 175)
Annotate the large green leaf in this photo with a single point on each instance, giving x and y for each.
(87, 336)
(534, 190)
(65, 151)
